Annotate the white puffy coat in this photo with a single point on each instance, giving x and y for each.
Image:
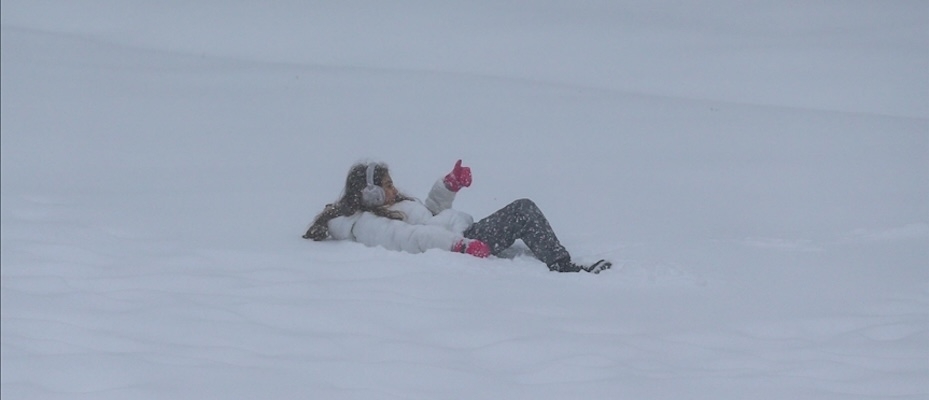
(433, 225)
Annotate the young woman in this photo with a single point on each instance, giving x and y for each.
(372, 211)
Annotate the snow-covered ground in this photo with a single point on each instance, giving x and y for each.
(758, 172)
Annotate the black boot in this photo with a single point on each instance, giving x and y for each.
(565, 265)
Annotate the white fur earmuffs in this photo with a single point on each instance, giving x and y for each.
(372, 195)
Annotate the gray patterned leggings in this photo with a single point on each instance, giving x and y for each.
(522, 220)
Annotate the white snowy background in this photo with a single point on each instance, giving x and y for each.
(758, 172)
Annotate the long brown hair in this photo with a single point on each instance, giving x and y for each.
(350, 201)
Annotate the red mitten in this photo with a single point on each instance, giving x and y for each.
(459, 177)
(475, 248)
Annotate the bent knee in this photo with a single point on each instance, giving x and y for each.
(524, 204)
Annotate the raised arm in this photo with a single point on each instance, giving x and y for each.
(443, 192)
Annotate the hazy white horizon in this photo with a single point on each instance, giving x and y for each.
(759, 174)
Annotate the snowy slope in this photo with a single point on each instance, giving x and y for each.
(758, 174)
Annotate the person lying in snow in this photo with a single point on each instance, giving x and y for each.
(372, 211)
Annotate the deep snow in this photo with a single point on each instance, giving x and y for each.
(758, 173)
